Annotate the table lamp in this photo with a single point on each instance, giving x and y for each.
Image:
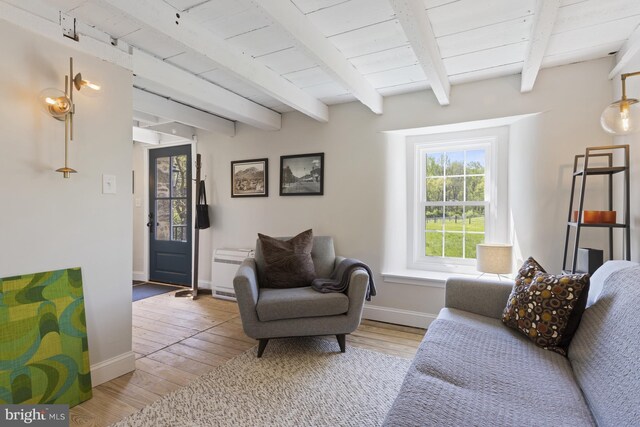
(494, 258)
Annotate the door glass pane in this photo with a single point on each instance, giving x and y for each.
(163, 220)
(179, 220)
(162, 176)
(179, 176)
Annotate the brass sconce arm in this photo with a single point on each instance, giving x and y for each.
(623, 77)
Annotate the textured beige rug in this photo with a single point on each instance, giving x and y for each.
(297, 382)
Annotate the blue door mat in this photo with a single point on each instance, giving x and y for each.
(146, 290)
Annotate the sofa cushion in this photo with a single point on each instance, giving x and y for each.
(288, 263)
(471, 370)
(605, 351)
(547, 308)
(596, 283)
(277, 304)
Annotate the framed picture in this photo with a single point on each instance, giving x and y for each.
(302, 175)
(250, 178)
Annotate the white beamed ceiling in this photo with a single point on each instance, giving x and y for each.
(477, 39)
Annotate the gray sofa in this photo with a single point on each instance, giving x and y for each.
(471, 370)
(275, 313)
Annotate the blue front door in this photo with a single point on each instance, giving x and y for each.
(170, 216)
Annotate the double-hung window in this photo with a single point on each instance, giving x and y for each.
(455, 195)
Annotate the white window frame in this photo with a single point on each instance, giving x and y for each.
(497, 226)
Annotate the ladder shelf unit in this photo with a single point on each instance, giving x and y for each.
(581, 174)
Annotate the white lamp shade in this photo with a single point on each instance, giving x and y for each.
(621, 117)
(494, 258)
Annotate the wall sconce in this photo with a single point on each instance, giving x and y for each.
(60, 106)
(623, 116)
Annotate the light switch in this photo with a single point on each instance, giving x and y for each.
(108, 184)
(138, 202)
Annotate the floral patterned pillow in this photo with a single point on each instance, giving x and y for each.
(546, 308)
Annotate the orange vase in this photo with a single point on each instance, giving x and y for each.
(592, 217)
(608, 217)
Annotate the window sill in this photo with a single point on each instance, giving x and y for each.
(432, 279)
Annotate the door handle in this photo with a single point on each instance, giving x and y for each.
(150, 223)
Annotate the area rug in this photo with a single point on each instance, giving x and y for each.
(297, 382)
(146, 290)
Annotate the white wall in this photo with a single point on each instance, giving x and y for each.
(139, 219)
(47, 222)
(633, 91)
(364, 168)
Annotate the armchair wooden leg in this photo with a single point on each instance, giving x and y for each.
(262, 344)
(342, 341)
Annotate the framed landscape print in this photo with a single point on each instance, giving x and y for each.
(302, 175)
(250, 178)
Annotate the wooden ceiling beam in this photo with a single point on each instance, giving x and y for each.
(316, 46)
(174, 129)
(42, 19)
(629, 50)
(209, 97)
(145, 136)
(417, 27)
(543, 23)
(184, 29)
(159, 106)
(147, 119)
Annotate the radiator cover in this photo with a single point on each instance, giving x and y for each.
(224, 266)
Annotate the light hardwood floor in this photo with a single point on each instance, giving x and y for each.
(175, 340)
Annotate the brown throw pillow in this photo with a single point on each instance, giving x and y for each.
(546, 308)
(288, 263)
(518, 296)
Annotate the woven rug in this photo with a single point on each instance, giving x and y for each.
(297, 382)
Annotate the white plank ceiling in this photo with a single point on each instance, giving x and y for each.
(476, 39)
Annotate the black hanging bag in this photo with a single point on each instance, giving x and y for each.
(202, 209)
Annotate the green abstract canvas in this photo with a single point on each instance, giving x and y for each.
(44, 356)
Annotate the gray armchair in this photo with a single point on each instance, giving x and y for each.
(277, 313)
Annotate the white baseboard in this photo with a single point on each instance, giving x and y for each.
(398, 316)
(204, 284)
(112, 368)
(139, 275)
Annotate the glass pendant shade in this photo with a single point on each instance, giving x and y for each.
(621, 117)
(55, 103)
